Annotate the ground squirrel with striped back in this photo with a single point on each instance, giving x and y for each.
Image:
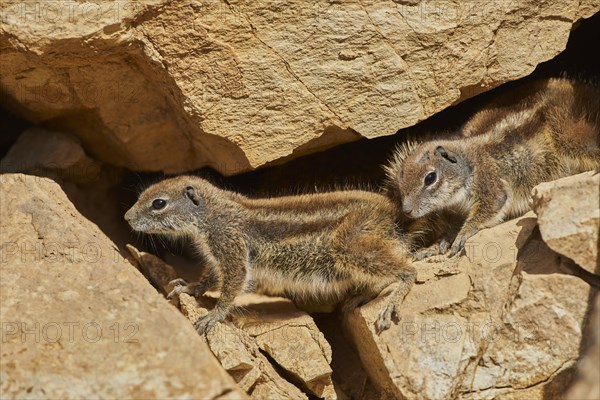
(345, 246)
(540, 132)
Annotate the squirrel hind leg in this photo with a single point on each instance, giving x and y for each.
(390, 312)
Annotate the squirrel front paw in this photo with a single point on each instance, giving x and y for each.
(206, 322)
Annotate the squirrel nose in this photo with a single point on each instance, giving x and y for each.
(407, 207)
(128, 216)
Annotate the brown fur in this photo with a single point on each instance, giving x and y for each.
(341, 246)
(552, 132)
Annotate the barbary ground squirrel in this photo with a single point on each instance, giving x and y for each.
(504, 150)
(343, 246)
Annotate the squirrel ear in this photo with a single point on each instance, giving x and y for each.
(190, 192)
(444, 153)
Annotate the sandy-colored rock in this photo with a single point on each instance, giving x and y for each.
(587, 379)
(568, 212)
(39, 151)
(78, 320)
(154, 269)
(291, 338)
(240, 355)
(502, 320)
(93, 188)
(237, 84)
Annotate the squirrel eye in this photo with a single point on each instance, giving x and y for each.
(430, 178)
(159, 204)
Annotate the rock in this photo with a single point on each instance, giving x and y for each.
(291, 338)
(38, 151)
(93, 188)
(154, 269)
(241, 356)
(568, 212)
(569, 219)
(78, 320)
(587, 380)
(501, 321)
(235, 85)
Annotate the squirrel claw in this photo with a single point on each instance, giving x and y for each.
(180, 286)
(444, 246)
(206, 322)
(433, 250)
(459, 242)
(384, 321)
(178, 282)
(457, 246)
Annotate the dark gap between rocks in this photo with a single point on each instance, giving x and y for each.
(11, 127)
(349, 375)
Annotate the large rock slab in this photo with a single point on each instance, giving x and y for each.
(500, 321)
(78, 320)
(568, 213)
(172, 86)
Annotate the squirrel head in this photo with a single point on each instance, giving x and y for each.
(429, 178)
(168, 207)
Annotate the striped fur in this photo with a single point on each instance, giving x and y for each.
(343, 246)
(541, 132)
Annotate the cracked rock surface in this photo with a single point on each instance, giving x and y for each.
(237, 84)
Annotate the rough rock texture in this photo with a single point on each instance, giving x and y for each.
(587, 382)
(291, 338)
(237, 84)
(77, 320)
(154, 269)
(500, 321)
(265, 326)
(38, 151)
(568, 213)
(93, 188)
(270, 327)
(241, 357)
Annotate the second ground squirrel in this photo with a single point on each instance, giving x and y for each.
(342, 246)
(506, 149)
